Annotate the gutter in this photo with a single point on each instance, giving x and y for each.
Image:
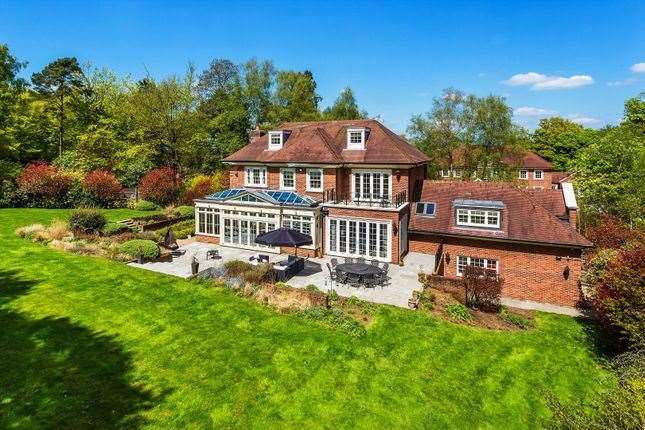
(495, 239)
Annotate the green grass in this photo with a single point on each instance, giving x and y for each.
(90, 343)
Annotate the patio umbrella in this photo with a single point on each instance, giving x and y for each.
(284, 237)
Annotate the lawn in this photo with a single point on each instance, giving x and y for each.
(86, 342)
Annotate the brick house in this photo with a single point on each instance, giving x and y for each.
(527, 236)
(348, 184)
(530, 170)
(356, 187)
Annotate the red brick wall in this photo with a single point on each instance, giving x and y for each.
(207, 239)
(530, 272)
(535, 183)
(371, 215)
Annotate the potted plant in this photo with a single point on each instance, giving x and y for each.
(194, 266)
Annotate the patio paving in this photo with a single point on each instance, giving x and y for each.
(397, 292)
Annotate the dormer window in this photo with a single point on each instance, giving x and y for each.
(356, 138)
(276, 139)
(478, 218)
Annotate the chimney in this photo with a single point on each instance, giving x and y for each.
(570, 203)
(256, 132)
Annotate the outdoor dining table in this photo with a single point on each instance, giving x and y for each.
(361, 269)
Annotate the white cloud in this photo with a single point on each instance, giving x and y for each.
(584, 120)
(628, 81)
(481, 75)
(638, 68)
(539, 82)
(533, 111)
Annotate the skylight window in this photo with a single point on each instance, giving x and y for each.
(426, 208)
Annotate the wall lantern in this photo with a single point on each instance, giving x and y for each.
(398, 175)
(566, 272)
(395, 229)
(447, 257)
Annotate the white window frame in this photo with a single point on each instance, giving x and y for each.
(248, 181)
(523, 174)
(457, 173)
(468, 263)
(425, 205)
(322, 179)
(275, 146)
(535, 175)
(445, 173)
(488, 213)
(355, 145)
(214, 217)
(282, 185)
(388, 232)
(371, 171)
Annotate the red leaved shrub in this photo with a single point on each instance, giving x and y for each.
(483, 288)
(103, 188)
(610, 232)
(161, 185)
(44, 185)
(619, 301)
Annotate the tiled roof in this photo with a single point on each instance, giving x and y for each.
(557, 177)
(523, 159)
(325, 142)
(524, 217)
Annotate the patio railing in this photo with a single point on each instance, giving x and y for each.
(372, 200)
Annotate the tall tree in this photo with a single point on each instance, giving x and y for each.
(258, 81)
(440, 132)
(558, 140)
(345, 107)
(58, 80)
(295, 98)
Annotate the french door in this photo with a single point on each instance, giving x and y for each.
(242, 232)
(359, 238)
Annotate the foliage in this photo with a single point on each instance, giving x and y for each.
(44, 185)
(622, 408)
(142, 205)
(237, 267)
(29, 230)
(345, 107)
(103, 188)
(335, 318)
(457, 312)
(201, 185)
(619, 296)
(483, 288)
(610, 174)
(515, 319)
(184, 211)
(426, 299)
(610, 232)
(259, 274)
(558, 140)
(312, 288)
(87, 220)
(295, 98)
(140, 248)
(114, 228)
(595, 269)
(161, 186)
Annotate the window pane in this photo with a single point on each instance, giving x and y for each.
(376, 185)
(357, 186)
(202, 223)
(342, 236)
(227, 230)
(362, 238)
(429, 208)
(462, 215)
(332, 235)
(420, 208)
(372, 239)
(352, 237)
(477, 217)
(462, 262)
(383, 240)
(385, 193)
(216, 221)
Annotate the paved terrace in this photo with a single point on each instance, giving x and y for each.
(403, 279)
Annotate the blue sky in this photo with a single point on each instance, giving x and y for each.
(577, 59)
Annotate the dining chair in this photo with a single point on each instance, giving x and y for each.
(353, 280)
(349, 260)
(332, 274)
(334, 262)
(371, 281)
(360, 260)
(375, 263)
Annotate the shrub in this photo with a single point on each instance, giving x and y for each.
(140, 248)
(198, 187)
(610, 232)
(483, 288)
(44, 185)
(260, 274)
(457, 312)
(185, 211)
(334, 318)
(58, 229)
(161, 186)
(237, 267)
(29, 230)
(142, 205)
(619, 300)
(103, 188)
(426, 299)
(515, 319)
(87, 220)
(115, 228)
(312, 288)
